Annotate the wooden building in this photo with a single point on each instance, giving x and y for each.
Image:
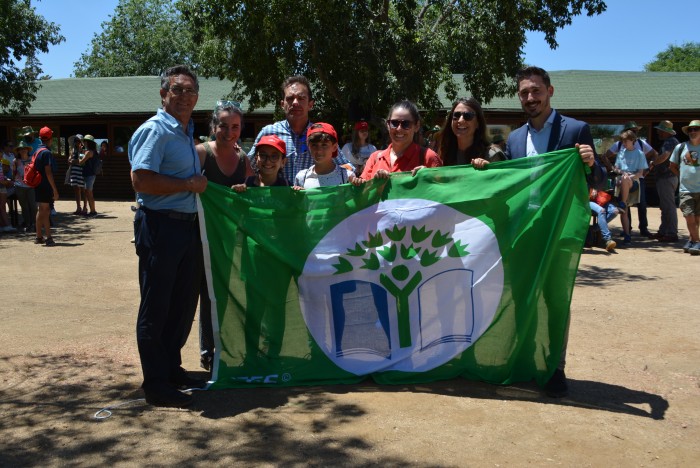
(112, 108)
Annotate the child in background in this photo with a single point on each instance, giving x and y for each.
(270, 157)
(323, 146)
(360, 149)
(629, 165)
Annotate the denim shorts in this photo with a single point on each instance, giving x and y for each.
(89, 182)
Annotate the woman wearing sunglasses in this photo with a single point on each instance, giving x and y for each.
(463, 137)
(404, 153)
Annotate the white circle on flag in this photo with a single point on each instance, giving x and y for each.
(403, 285)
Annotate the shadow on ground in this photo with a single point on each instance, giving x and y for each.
(47, 417)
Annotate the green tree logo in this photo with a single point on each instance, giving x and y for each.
(405, 257)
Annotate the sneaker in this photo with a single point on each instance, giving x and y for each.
(610, 245)
(645, 233)
(53, 212)
(181, 380)
(39, 240)
(557, 387)
(78, 212)
(694, 249)
(92, 214)
(626, 239)
(50, 242)
(687, 246)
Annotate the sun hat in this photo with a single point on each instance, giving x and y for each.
(632, 125)
(275, 142)
(27, 131)
(45, 133)
(666, 126)
(361, 125)
(22, 144)
(89, 137)
(694, 123)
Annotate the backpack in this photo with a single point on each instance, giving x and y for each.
(32, 177)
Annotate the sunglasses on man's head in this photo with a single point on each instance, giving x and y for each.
(467, 115)
(396, 123)
(222, 104)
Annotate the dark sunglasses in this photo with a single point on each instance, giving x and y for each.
(396, 123)
(693, 129)
(467, 115)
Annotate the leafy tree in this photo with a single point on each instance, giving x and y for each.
(685, 58)
(23, 34)
(366, 55)
(143, 37)
(405, 254)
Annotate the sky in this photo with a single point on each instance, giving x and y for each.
(624, 38)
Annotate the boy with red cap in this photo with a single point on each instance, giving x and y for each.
(270, 157)
(323, 146)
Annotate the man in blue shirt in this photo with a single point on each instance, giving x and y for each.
(165, 174)
(297, 102)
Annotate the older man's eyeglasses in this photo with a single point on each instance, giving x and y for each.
(466, 115)
(223, 104)
(179, 91)
(693, 129)
(396, 123)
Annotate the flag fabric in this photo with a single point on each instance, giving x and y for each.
(452, 272)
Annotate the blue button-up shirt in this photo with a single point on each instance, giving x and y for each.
(161, 145)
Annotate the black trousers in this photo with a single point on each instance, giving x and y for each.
(169, 249)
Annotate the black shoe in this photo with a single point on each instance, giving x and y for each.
(181, 380)
(557, 387)
(165, 395)
(645, 233)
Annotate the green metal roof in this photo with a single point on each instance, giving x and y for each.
(601, 91)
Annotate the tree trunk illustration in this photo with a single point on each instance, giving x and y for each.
(402, 308)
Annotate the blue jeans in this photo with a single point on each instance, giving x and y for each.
(605, 215)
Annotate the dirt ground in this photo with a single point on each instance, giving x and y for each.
(68, 349)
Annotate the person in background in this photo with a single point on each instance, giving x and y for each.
(685, 160)
(463, 136)
(25, 193)
(360, 149)
(650, 154)
(46, 192)
(497, 151)
(666, 184)
(629, 165)
(104, 148)
(6, 183)
(75, 173)
(89, 163)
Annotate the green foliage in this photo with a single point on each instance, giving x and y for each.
(23, 34)
(361, 57)
(142, 38)
(685, 58)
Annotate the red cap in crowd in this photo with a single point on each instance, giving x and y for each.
(361, 125)
(45, 133)
(274, 141)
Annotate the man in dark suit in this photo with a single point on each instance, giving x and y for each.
(547, 130)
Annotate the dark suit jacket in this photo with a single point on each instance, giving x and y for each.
(566, 132)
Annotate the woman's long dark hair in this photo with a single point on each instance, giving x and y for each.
(448, 140)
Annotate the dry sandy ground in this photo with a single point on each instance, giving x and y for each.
(67, 349)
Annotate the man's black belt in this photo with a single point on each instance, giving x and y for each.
(172, 214)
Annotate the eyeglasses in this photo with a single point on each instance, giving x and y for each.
(396, 123)
(179, 91)
(693, 129)
(274, 157)
(223, 104)
(468, 116)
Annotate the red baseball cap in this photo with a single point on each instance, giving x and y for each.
(322, 127)
(274, 141)
(361, 125)
(45, 133)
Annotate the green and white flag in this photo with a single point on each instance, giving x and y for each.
(453, 272)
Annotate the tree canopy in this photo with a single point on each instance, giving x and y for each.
(364, 56)
(685, 58)
(142, 38)
(23, 34)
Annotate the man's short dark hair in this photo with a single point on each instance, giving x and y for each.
(527, 72)
(297, 79)
(174, 71)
